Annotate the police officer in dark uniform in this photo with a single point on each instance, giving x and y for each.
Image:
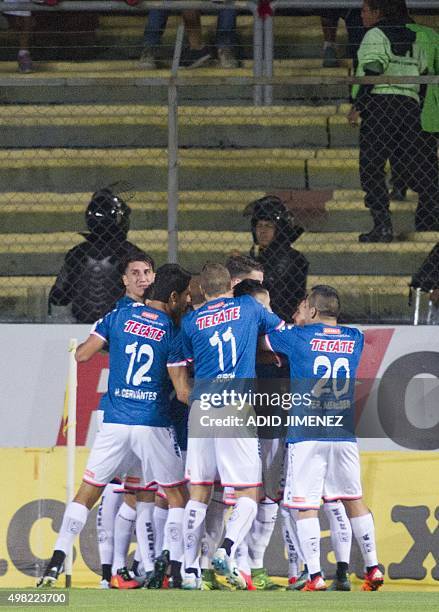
(90, 278)
(285, 269)
(390, 113)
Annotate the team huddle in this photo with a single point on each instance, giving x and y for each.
(167, 459)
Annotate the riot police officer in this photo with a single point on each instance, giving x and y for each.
(90, 278)
(285, 269)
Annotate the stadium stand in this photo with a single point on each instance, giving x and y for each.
(60, 143)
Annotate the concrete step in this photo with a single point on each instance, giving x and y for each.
(144, 125)
(208, 210)
(66, 169)
(336, 253)
(122, 82)
(363, 297)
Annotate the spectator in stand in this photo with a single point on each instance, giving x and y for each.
(427, 279)
(198, 54)
(390, 113)
(354, 27)
(427, 215)
(21, 22)
(90, 278)
(285, 269)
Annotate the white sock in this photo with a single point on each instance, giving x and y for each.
(74, 519)
(289, 542)
(341, 531)
(160, 517)
(174, 533)
(308, 531)
(123, 531)
(108, 508)
(242, 557)
(214, 529)
(138, 557)
(260, 533)
(193, 531)
(364, 532)
(240, 521)
(145, 533)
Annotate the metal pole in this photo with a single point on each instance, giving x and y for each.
(173, 150)
(258, 48)
(71, 444)
(430, 310)
(268, 58)
(417, 306)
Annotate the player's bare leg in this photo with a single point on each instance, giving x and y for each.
(237, 528)
(193, 532)
(74, 519)
(364, 532)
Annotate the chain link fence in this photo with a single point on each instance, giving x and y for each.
(71, 129)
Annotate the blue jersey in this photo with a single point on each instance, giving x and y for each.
(221, 337)
(124, 301)
(142, 342)
(323, 364)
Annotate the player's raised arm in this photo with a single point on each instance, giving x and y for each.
(90, 347)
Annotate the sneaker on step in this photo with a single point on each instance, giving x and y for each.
(196, 58)
(226, 58)
(148, 59)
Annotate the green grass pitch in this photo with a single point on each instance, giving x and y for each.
(152, 601)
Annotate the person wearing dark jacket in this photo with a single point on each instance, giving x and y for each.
(90, 278)
(427, 279)
(390, 112)
(285, 269)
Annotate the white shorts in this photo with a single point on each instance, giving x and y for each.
(116, 445)
(235, 459)
(321, 469)
(17, 13)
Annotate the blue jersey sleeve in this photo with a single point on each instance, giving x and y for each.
(185, 339)
(102, 327)
(282, 340)
(176, 356)
(268, 321)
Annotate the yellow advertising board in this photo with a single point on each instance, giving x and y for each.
(401, 488)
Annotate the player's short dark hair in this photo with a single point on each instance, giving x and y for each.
(136, 256)
(241, 265)
(249, 286)
(215, 279)
(325, 300)
(169, 278)
(389, 9)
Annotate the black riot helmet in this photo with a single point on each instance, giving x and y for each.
(271, 208)
(107, 214)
